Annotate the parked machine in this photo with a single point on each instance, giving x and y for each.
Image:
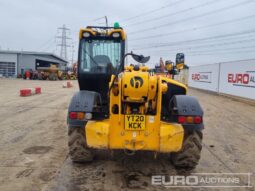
(50, 73)
(126, 108)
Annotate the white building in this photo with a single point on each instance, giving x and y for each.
(13, 63)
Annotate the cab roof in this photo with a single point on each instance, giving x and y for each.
(102, 31)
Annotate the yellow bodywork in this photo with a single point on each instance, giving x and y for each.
(157, 136)
(108, 33)
(160, 137)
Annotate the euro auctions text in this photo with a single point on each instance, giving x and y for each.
(228, 180)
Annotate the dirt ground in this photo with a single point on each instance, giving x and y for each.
(34, 154)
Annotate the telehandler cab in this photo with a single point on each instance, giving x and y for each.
(126, 108)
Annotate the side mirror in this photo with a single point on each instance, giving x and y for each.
(169, 65)
(179, 61)
(140, 58)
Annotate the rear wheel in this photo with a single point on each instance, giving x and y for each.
(78, 149)
(189, 156)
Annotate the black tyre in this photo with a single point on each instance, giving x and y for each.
(78, 149)
(189, 156)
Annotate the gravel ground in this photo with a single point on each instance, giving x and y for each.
(33, 144)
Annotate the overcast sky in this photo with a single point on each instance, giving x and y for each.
(207, 31)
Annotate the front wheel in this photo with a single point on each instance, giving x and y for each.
(189, 156)
(78, 149)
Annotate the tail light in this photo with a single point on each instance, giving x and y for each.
(80, 115)
(190, 119)
(198, 119)
(181, 119)
(88, 116)
(73, 115)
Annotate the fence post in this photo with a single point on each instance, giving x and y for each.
(219, 78)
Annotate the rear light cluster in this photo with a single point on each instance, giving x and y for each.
(80, 115)
(190, 119)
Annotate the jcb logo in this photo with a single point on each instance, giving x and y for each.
(136, 82)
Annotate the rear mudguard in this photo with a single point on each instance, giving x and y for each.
(187, 106)
(83, 101)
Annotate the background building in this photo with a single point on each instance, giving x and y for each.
(13, 63)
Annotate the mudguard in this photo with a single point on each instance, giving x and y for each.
(187, 106)
(173, 88)
(83, 101)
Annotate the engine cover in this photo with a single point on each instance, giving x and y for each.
(135, 86)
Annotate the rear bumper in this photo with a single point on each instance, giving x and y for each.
(164, 138)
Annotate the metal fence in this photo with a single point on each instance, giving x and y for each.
(235, 78)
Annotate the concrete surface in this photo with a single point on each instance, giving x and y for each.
(34, 153)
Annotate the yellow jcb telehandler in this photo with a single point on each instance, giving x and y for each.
(122, 107)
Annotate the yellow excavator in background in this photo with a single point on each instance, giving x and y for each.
(53, 73)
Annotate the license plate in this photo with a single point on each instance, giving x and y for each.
(135, 122)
